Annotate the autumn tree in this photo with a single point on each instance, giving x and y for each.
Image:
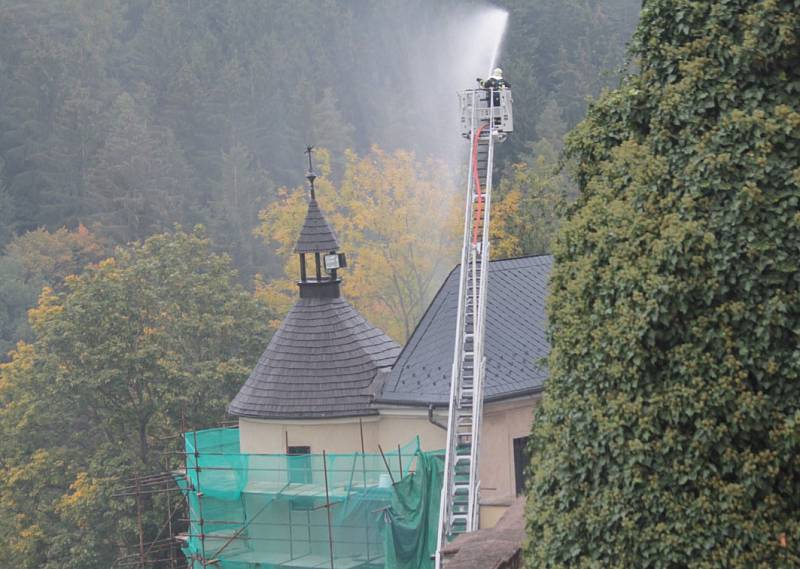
(397, 218)
(32, 261)
(669, 433)
(160, 330)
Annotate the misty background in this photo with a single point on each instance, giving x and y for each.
(128, 117)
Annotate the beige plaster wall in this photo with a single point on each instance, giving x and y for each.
(490, 515)
(502, 423)
(332, 435)
(341, 435)
(397, 429)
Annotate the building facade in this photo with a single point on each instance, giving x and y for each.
(330, 381)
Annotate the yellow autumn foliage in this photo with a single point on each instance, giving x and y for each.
(398, 220)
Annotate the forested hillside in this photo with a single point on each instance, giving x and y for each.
(126, 116)
(129, 117)
(122, 119)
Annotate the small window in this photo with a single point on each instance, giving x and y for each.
(522, 460)
(299, 464)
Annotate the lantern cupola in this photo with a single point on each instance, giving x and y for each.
(319, 271)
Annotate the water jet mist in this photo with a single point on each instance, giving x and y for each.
(425, 54)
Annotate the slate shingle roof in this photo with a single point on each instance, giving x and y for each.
(316, 236)
(320, 363)
(516, 339)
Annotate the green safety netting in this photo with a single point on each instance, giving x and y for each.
(264, 511)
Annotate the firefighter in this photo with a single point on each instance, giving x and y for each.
(495, 82)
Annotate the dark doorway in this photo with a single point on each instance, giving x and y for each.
(522, 459)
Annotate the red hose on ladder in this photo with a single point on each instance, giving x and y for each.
(479, 211)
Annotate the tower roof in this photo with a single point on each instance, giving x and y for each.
(323, 359)
(316, 236)
(320, 363)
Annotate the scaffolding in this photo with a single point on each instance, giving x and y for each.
(338, 511)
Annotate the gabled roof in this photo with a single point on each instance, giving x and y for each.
(320, 363)
(316, 236)
(516, 338)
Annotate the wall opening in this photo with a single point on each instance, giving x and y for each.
(522, 459)
(298, 461)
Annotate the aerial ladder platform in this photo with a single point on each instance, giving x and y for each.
(486, 118)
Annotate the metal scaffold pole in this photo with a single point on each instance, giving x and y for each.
(199, 494)
(328, 504)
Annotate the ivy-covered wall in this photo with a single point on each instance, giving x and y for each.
(669, 436)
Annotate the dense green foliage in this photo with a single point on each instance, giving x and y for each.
(157, 334)
(669, 436)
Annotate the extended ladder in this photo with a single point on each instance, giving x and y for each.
(484, 124)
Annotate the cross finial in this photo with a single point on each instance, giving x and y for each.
(311, 176)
